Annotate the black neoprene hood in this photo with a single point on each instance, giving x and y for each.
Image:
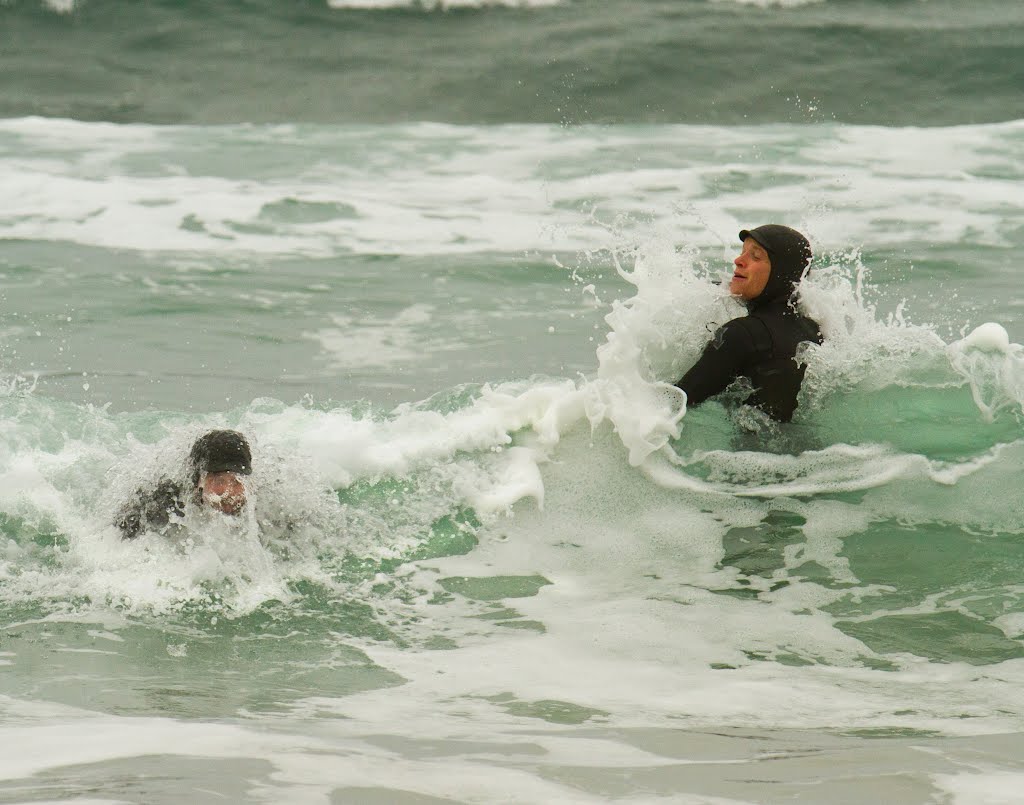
(790, 254)
(220, 451)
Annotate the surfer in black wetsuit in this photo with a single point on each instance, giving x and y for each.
(760, 346)
(217, 464)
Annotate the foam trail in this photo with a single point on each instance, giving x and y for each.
(437, 5)
(771, 3)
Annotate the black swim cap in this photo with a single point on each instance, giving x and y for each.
(220, 451)
(790, 254)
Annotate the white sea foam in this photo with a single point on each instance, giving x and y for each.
(981, 787)
(382, 342)
(771, 3)
(297, 767)
(992, 366)
(61, 6)
(430, 189)
(450, 759)
(441, 5)
(632, 599)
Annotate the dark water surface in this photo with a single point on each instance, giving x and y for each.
(888, 62)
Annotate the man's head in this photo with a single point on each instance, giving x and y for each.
(217, 460)
(772, 262)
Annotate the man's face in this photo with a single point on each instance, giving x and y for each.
(752, 271)
(223, 491)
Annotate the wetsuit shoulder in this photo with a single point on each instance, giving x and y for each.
(732, 349)
(787, 327)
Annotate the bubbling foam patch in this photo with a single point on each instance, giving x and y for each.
(860, 347)
(60, 6)
(772, 3)
(993, 367)
(438, 5)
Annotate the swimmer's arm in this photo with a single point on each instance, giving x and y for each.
(150, 509)
(724, 359)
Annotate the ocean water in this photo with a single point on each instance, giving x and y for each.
(442, 262)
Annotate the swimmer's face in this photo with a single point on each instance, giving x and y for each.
(752, 269)
(222, 491)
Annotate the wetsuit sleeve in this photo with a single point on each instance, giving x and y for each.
(726, 357)
(150, 509)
